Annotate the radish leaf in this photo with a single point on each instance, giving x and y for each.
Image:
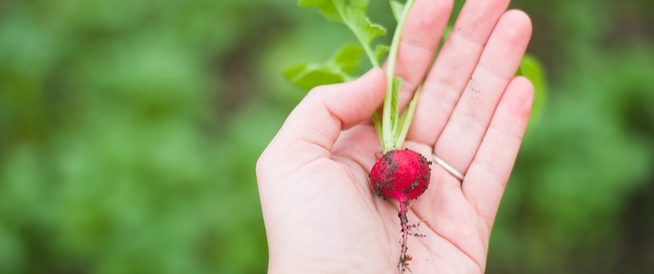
(353, 14)
(308, 76)
(397, 9)
(531, 68)
(336, 70)
(380, 50)
(348, 58)
(326, 7)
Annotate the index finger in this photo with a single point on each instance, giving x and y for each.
(421, 35)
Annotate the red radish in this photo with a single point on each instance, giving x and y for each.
(402, 175)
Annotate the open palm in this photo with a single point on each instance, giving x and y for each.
(320, 213)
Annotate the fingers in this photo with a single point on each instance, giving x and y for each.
(314, 125)
(489, 172)
(421, 35)
(470, 119)
(453, 67)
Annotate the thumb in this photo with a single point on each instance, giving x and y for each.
(314, 125)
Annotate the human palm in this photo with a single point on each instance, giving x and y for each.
(320, 213)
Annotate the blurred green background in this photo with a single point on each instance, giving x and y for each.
(129, 131)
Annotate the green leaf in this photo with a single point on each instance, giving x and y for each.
(335, 9)
(308, 76)
(380, 51)
(370, 30)
(326, 7)
(353, 14)
(336, 70)
(397, 9)
(532, 69)
(348, 58)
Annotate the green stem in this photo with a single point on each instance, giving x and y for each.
(406, 119)
(387, 127)
(363, 43)
(371, 56)
(378, 126)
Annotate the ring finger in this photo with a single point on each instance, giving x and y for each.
(499, 61)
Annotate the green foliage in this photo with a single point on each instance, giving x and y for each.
(340, 67)
(337, 70)
(397, 9)
(380, 51)
(531, 68)
(352, 13)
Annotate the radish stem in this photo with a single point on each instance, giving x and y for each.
(387, 127)
(378, 126)
(406, 118)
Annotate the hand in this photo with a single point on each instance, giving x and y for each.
(320, 213)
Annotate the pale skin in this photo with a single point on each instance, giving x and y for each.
(319, 211)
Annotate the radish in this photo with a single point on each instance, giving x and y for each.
(400, 174)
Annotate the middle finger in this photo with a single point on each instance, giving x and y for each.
(453, 68)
